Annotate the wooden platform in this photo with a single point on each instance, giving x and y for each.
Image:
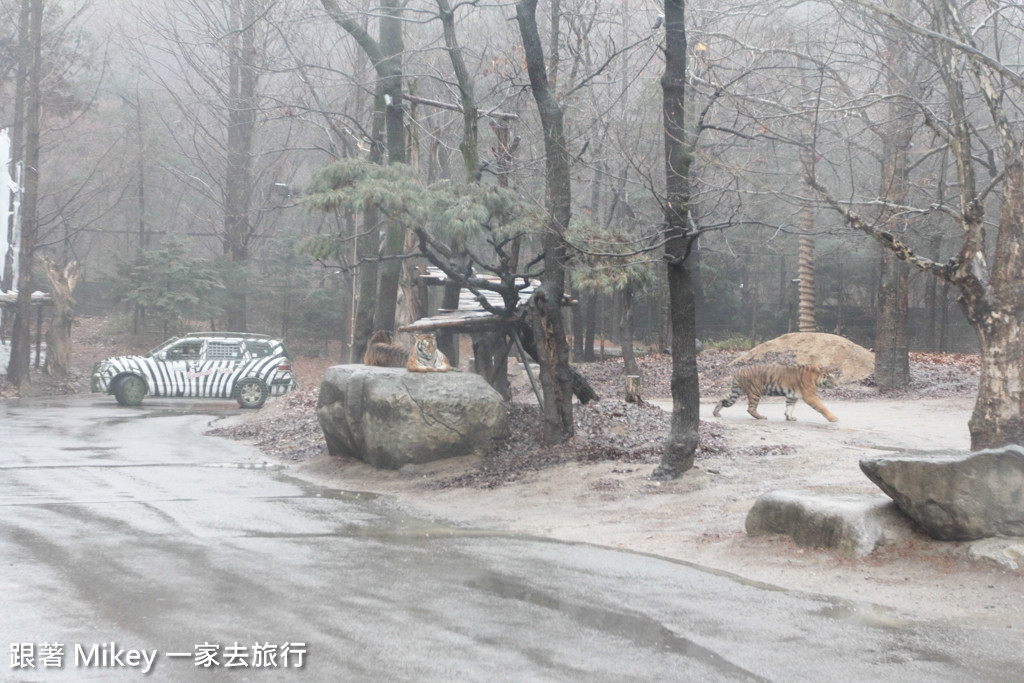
(471, 315)
(457, 321)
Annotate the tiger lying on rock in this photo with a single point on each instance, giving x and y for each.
(800, 381)
(382, 351)
(426, 357)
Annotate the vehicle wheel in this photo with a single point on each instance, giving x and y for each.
(251, 393)
(130, 390)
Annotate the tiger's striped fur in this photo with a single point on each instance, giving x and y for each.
(426, 357)
(382, 351)
(801, 381)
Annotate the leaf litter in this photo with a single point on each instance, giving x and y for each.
(608, 430)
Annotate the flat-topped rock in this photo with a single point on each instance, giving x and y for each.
(956, 497)
(850, 524)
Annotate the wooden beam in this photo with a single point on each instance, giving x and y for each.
(461, 321)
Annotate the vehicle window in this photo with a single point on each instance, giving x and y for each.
(219, 350)
(186, 350)
(259, 349)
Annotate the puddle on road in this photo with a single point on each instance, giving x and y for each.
(91, 452)
(865, 614)
(381, 521)
(637, 628)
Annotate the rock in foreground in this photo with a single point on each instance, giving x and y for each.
(851, 524)
(957, 497)
(389, 417)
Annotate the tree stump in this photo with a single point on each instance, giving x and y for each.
(633, 389)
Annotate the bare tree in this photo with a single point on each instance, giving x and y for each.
(62, 281)
(241, 109)
(385, 53)
(681, 447)
(892, 344)
(549, 329)
(215, 62)
(970, 47)
(20, 39)
(30, 52)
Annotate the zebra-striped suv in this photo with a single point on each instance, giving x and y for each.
(248, 368)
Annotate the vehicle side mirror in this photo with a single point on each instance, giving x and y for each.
(162, 355)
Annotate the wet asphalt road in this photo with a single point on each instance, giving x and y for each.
(128, 530)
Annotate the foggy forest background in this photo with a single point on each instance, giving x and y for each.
(176, 219)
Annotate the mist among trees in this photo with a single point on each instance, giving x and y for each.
(728, 172)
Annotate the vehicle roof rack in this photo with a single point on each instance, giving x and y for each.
(228, 335)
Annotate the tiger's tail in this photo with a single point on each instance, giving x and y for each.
(730, 399)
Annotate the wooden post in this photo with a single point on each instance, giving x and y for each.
(633, 389)
(526, 365)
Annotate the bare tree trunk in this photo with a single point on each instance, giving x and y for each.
(241, 116)
(553, 348)
(989, 283)
(368, 246)
(345, 328)
(628, 353)
(526, 329)
(991, 296)
(505, 151)
(944, 317)
(699, 297)
(577, 328)
(931, 300)
(19, 366)
(681, 448)
(468, 146)
(806, 273)
(447, 341)
(995, 312)
(590, 327)
(490, 360)
(390, 70)
(892, 345)
(386, 56)
(17, 141)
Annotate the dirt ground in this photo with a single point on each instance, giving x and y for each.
(598, 490)
(699, 518)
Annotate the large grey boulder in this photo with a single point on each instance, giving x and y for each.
(390, 417)
(956, 497)
(850, 524)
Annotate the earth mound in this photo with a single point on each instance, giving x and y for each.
(814, 348)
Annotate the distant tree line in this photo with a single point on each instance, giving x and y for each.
(679, 171)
